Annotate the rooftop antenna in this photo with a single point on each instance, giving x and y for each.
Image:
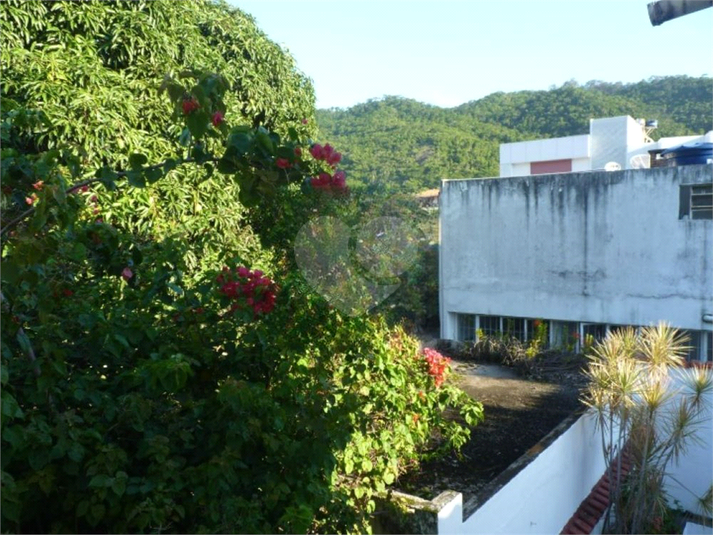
(648, 126)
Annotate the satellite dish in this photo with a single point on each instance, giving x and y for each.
(640, 161)
(612, 166)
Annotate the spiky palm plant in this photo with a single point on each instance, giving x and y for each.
(643, 415)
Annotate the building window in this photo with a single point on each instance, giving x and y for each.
(489, 325)
(514, 327)
(694, 344)
(564, 335)
(696, 202)
(597, 331)
(538, 326)
(466, 327)
(709, 346)
(551, 166)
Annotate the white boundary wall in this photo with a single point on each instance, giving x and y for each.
(544, 495)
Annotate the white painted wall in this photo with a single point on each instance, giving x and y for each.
(610, 139)
(545, 494)
(515, 158)
(596, 247)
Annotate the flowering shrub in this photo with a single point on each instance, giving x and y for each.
(135, 402)
(438, 365)
(245, 288)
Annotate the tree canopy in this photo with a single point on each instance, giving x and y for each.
(396, 144)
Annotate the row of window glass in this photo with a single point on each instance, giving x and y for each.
(562, 334)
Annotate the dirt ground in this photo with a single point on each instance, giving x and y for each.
(519, 412)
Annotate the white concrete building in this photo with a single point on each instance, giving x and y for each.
(583, 252)
(619, 140)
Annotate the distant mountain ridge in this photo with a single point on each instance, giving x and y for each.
(397, 144)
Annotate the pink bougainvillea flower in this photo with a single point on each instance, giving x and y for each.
(189, 105)
(334, 158)
(304, 121)
(126, 273)
(298, 152)
(84, 189)
(282, 163)
(321, 182)
(327, 151)
(38, 185)
(317, 151)
(339, 179)
(218, 118)
(243, 271)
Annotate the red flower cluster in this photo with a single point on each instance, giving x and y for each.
(325, 181)
(218, 118)
(437, 365)
(190, 105)
(326, 153)
(248, 288)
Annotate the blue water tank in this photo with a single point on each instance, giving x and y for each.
(688, 154)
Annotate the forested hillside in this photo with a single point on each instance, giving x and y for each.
(396, 144)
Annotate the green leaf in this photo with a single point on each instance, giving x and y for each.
(10, 408)
(24, 342)
(226, 167)
(153, 175)
(137, 161)
(107, 176)
(136, 179)
(10, 271)
(197, 122)
(100, 481)
(265, 142)
(169, 165)
(185, 138)
(82, 507)
(119, 486)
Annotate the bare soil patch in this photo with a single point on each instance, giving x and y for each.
(519, 412)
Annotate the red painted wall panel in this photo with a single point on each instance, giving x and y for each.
(552, 166)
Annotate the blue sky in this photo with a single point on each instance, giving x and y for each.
(447, 52)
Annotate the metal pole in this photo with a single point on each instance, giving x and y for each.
(665, 10)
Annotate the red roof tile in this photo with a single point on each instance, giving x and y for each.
(593, 506)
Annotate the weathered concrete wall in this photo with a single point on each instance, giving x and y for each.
(602, 247)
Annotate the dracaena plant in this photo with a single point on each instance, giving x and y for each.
(646, 418)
